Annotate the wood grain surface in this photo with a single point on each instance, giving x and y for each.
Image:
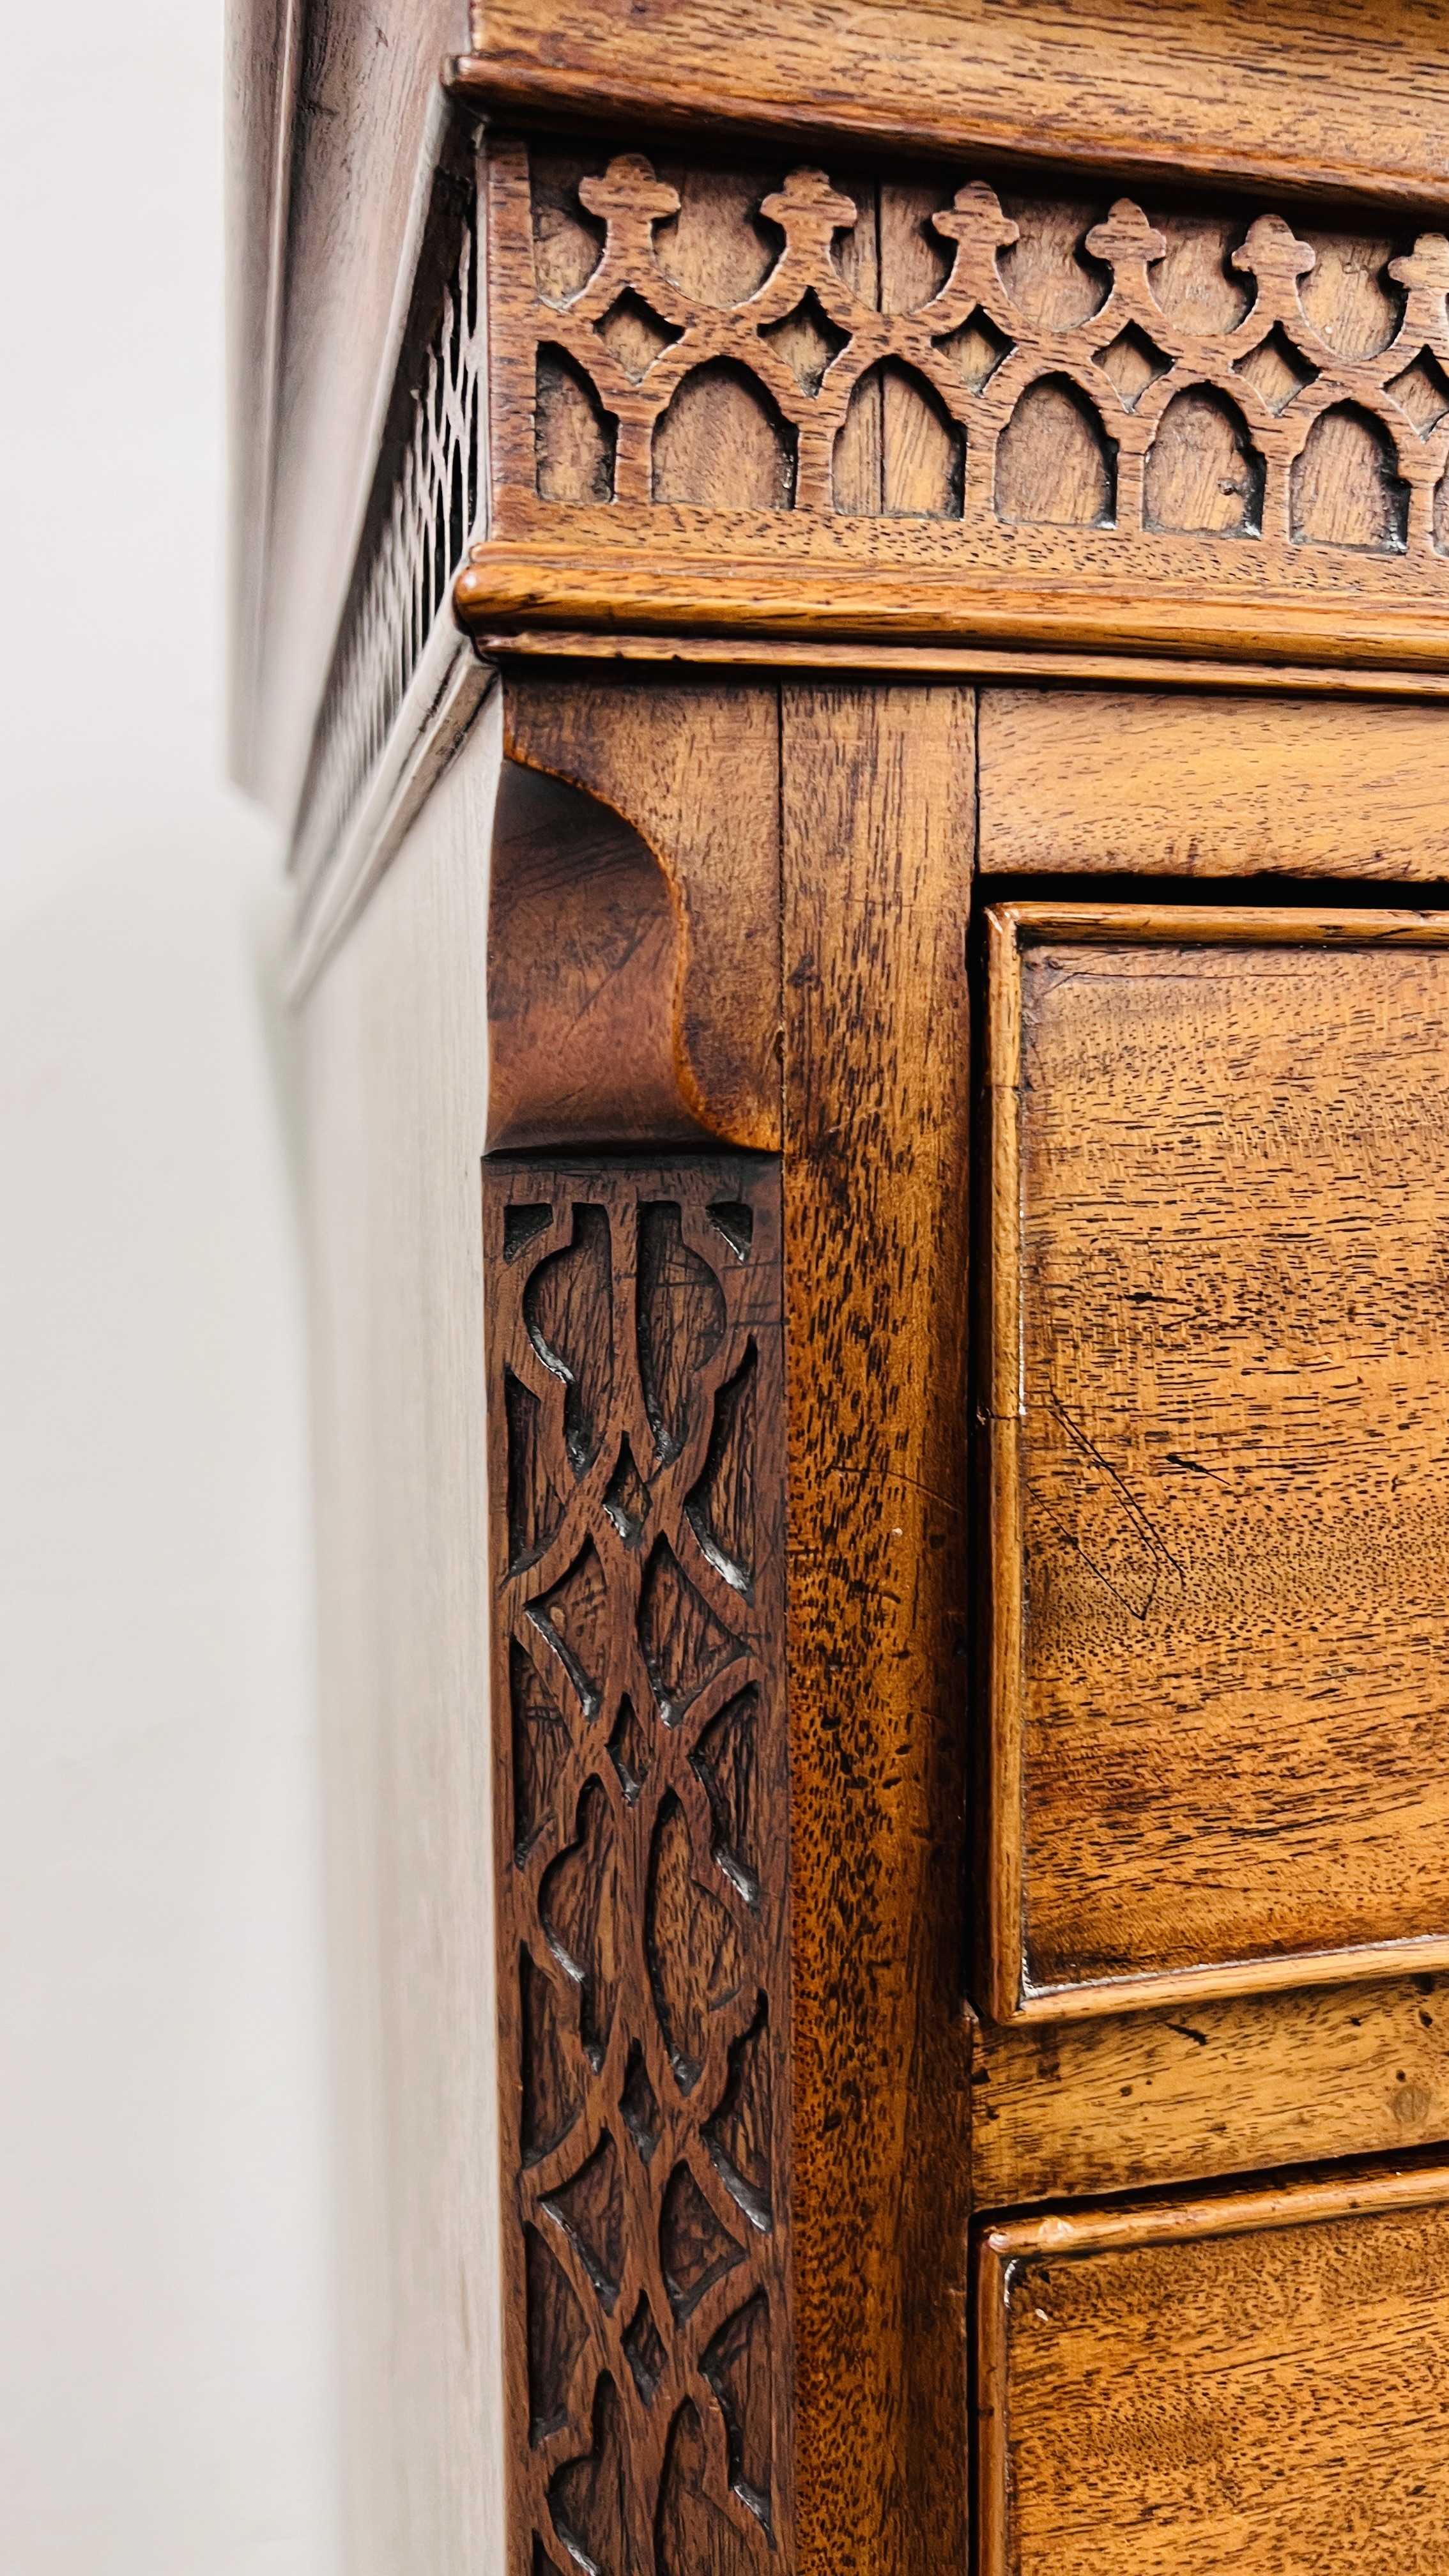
(1349, 97)
(1258, 2382)
(1073, 780)
(877, 802)
(967, 661)
(1220, 1150)
(690, 965)
(1178, 2095)
(642, 1861)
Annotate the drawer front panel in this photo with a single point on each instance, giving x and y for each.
(1220, 1326)
(1258, 2385)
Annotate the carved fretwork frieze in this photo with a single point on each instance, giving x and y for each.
(783, 400)
(636, 1503)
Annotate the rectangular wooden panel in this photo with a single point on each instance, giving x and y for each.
(636, 1497)
(1217, 1345)
(1258, 2383)
(1213, 2087)
(1172, 784)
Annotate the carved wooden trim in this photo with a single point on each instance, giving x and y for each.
(642, 1836)
(1055, 480)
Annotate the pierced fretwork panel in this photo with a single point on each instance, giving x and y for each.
(902, 352)
(642, 1832)
(716, 392)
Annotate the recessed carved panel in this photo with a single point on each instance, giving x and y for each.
(635, 1404)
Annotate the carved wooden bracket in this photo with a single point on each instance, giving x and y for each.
(634, 941)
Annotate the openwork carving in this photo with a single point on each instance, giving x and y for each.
(1230, 411)
(636, 1503)
(425, 508)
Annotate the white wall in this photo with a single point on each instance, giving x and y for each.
(166, 2345)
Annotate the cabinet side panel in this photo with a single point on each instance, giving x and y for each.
(396, 1060)
(642, 1856)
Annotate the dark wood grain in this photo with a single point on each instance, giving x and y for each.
(1077, 780)
(1181, 2094)
(641, 1801)
(877, 801)
(1345, 98)
(1256, 2382)
(692, 768)
(1216, 1330)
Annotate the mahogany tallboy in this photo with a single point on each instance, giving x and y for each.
(848, 609)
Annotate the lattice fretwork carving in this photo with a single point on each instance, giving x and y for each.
(1127, 376)
(425, 507)
(642, 1835)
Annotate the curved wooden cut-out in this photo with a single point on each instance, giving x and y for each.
(633, 937)
(1346, 489)
(899, 454)
(583, 954)
(568, 1312)
(693, 2537)
(680, 1322)
(1203, 473)
(574, 438)
(1055, 465)
(723, 445)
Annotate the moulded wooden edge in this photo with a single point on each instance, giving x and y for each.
(1227, 2213)
(960, 662)
(736, 99)
(1009, 1996)
(526, 582)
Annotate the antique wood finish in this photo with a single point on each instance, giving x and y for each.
(692, 769)
(1180, 2095)
(1254, 2381)
(354, 134)
(1344, 98)
(1075, 780)
(877, 807)
(761, 402)
(1215, 1330)
(642, 1861)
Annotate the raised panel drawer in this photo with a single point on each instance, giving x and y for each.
(1217, 1389)
(1256, 2385)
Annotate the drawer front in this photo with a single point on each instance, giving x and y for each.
(1218, 1389)
(1258, 2384)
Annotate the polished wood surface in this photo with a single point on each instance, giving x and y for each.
(1256, 2382)
(1139, 781)
(878, 824)
(1216, 1330)
(1346, 97)
(1180, 2094)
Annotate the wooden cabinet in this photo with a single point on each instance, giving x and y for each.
(861, 701)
